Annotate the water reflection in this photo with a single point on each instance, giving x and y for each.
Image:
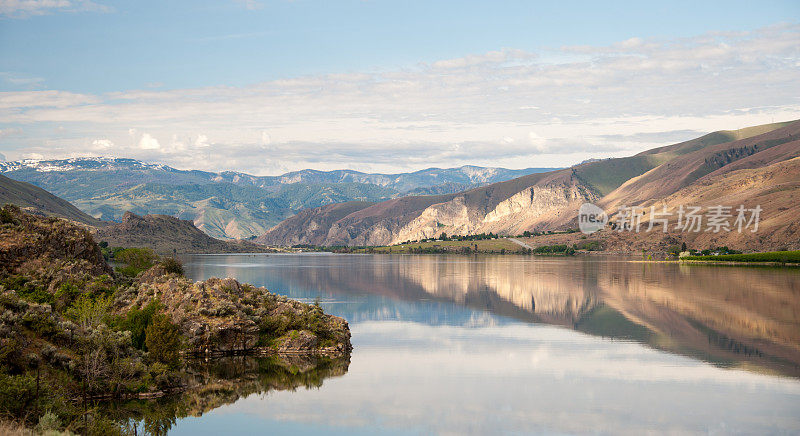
(220, 381)
(730, 316)
(519, 378)
(511, 344)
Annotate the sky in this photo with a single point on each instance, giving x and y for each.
(270, 86)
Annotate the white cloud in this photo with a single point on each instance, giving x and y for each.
(147, 142)
(201, 141)
(537, 142)
(25, 8)
(556, 110)
(26, 100)
(102, 144)
(21, 80)
(265, 138)
(10, 131)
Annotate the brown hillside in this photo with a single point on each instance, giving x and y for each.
(548, 201)
(684, 170)
(776, 188)
(35, 199)
(310, 226)
(167, 235)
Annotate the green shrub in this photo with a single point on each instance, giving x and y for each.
(136, 260)
(65, 295)
(163, 341)
(562, 248)
(17, 394)
(7, 214)
(27, 289)
(172, 266)
(137, 320)
(774, 256)
(48, 422)
(90, 312)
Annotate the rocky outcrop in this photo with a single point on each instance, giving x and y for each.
(73, 330)
(503, 208)
(224, 317)
(50, 248)
(526, 209)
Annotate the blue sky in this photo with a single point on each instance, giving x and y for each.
(198, 66)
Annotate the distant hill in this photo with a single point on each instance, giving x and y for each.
(35, 199)
(230, 204)
(718, 164)
(167, 235)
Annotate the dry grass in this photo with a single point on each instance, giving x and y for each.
(484, 246)
(10, 428)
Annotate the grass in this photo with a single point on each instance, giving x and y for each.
(484, 246)
(773, 256)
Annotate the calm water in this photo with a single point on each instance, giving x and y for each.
(511, 344)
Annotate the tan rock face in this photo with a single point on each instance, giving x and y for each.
(525, 209)
(452, 216)
(536, 205)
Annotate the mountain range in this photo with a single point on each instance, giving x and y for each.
(162, 233)
(230, 205)
(756, 166)
(752, 166)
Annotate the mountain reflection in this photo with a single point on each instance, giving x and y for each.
(222, 381)
(730, 316)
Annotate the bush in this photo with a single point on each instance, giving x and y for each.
(7, 214)
(66, 295)
(136, 260)
(48, 422)
(163, 341)
(90, 312)
(27, 289)
(551, 249)
(172, 266)
(137, 320)
(17, 394)
(774, 256)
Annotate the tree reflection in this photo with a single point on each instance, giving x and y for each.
(220, 381)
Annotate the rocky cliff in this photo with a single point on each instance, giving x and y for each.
(528, 202)
(224, 317)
